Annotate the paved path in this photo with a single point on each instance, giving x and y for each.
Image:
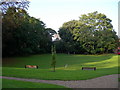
(109, 81)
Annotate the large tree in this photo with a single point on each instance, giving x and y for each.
(96, 33)
(93, 31)
(68, 43)
(23, 34)
(12, 19)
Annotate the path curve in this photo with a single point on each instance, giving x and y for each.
(109, 81)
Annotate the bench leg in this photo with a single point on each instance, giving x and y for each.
(94, 68)
(37, 67)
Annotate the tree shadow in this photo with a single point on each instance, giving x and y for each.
(44, 61)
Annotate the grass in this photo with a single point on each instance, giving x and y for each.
(119, 79)
(6, 83)
(106, 64)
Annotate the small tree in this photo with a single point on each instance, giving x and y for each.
(53, 57)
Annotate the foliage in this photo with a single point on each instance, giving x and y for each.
(23, 34)
(18, 4)
(93, 31)
(69, 44)
(11, 21)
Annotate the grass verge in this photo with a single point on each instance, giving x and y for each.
(105, 64)
(6, 83)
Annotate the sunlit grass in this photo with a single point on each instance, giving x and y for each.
(105, 64)
(112, 62)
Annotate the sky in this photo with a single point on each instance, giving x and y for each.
(55, 12)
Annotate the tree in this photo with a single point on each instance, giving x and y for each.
(69, 44)
(31, 36)
(49, 34)
(12, 19)
(51, 31)
(17, 4)
(96, 33)
(53, 64)
(23, 34)
(93, 31)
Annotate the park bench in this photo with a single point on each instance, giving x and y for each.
(31, 66)
(88, 68)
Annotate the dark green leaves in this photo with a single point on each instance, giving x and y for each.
(93, 31)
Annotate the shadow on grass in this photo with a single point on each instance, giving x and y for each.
(44, 61)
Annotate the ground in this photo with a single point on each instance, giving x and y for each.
(106, 64)
(109, 81)
(26, 84)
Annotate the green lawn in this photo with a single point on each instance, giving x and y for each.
(6, 83)
(119, 79)
(106, 64)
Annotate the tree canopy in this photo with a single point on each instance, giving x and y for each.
(23, 34)
(93, 31)
(16, 4)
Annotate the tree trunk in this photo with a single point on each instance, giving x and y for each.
(54, 69)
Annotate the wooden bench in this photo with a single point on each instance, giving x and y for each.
(31, 66)
(88, 68)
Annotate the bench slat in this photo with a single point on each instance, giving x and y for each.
(88, 68)
(31, 66)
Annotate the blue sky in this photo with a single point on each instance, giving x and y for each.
(55, 12)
